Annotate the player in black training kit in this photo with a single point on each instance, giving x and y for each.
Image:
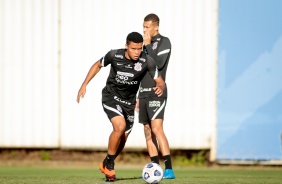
(128, 67)
(152, 107)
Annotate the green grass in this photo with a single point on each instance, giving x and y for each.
(38, 175)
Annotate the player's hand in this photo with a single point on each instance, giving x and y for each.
(158, 91)
(81, 93)
(147, 39)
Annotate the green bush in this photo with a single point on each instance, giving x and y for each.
(45, 155)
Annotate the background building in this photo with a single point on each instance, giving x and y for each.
(224, 77)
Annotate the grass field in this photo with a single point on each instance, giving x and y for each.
(38, 175)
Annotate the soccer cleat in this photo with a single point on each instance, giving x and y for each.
(108, 170)
(169, 174)
(102, 166)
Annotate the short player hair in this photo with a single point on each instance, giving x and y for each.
(152, 17)
(134, 37)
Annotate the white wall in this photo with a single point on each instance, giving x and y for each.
(87, 30)
(28, 73)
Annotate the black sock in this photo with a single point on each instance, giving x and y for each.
(167, 161)
(155, 159)
(110, 159)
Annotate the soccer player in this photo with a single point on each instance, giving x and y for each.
(128, 67)
(151, 106)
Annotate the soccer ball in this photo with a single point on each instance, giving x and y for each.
(152, 173)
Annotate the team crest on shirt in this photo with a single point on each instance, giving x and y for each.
(155, 45)
(138, 66)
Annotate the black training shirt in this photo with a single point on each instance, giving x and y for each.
(159, 50)
(125, 75)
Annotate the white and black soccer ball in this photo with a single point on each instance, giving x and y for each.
(152, 173)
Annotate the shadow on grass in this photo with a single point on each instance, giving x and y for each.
(131, 178)
(121, 179)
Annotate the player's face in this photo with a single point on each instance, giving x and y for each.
(150, 28)
(133, 50)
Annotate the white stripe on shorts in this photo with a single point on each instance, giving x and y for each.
(112, 109)
(128, 131)
(158, 111)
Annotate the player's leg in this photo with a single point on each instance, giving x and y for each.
(158, 132)
(113, 111)
(156, 115)
(152, 144)
(150, 138)
(122, 144)
(119, 126)
(128, 112)
(107, 166)
(157, 129)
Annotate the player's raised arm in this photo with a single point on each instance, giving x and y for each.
(95, 68)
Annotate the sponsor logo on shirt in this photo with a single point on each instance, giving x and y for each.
(119, 56)
(124, 80)
(122, 101)
(127, 66)
(125, 74)
(145, 89)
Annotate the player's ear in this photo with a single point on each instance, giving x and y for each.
(156, 27)
(126, 46)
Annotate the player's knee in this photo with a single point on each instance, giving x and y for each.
(158, 130)
(119, 129)
(147, 129)
(147, 132)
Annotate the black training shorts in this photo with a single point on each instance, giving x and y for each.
(114, 108)
(151, 108)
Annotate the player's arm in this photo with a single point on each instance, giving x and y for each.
(137, 100)
(163, 52)
(154, 72)
(137, 105)
(95, 68)
(160, 86)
